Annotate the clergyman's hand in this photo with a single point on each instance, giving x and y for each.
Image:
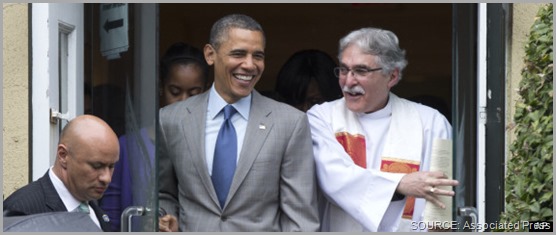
(168, 223)
(423, 184)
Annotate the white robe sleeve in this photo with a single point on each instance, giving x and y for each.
(436, 127)
(364, 194)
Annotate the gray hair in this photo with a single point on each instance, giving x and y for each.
(219, 31)
(378, 42)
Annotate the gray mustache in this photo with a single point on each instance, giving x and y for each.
(354, 90)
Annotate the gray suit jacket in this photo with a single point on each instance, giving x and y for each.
(274, 185)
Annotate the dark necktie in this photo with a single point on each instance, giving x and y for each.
(225, 152)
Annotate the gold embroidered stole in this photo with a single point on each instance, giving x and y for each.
(396, 165)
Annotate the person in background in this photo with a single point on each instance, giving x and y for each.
(307, 78)
(230, 158)
(108, 103)
(183, 73)
(85, 157)
(372, 149)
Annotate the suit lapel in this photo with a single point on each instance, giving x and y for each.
(55, 203)
(103, 218)
(259, 125)
(194, 121)
(53, 200)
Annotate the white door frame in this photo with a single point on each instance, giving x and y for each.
(481, 108)
(48, 21)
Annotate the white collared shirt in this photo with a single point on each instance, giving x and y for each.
(69, 200)
(215, 118)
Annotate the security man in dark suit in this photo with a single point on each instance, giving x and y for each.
(85, 157)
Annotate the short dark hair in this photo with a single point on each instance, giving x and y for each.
(220, 28)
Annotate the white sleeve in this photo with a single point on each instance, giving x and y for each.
(365, 194)
(436, 127)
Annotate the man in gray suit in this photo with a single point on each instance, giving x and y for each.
(272, 183)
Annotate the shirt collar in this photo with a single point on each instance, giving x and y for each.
(69, 201)
(217, 103)
(381, 113)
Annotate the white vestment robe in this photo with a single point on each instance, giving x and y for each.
(360, 199)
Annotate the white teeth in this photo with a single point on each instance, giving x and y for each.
(244, 78)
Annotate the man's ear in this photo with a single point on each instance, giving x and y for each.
(209, 54)
(394, 78)
(62, 155)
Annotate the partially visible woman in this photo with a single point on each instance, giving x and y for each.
(307, 78)
(183, 73)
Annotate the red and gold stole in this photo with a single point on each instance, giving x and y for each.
(396, 165)
(354, 144)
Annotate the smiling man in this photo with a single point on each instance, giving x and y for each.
(87, 152)
(372, 149)
(230, 158)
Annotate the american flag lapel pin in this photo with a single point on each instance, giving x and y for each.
(106, 218)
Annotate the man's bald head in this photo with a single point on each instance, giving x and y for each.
(86, 154)
(87, 127)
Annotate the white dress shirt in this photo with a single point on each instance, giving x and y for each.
(215, 118)
(69, 201)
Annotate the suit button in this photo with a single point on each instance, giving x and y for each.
(223, 218)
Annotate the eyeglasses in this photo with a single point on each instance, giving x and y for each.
(357, 72)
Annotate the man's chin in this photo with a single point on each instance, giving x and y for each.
(243, 92)
(354, 107)
(97, 194)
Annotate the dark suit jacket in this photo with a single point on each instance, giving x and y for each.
(40, 197)
(274, 185)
